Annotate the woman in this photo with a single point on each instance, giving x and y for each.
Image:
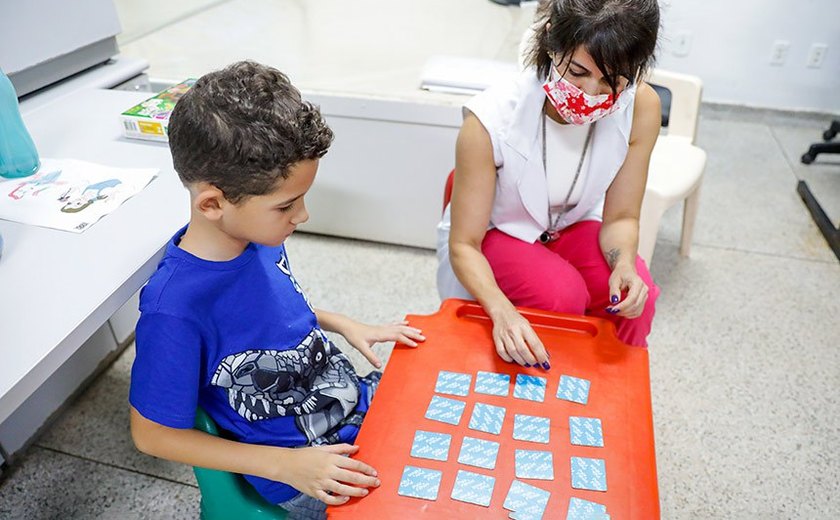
(550, 173)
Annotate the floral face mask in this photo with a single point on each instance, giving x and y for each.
(574, 105)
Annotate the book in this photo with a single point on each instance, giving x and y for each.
(150, 119)
(458, 75)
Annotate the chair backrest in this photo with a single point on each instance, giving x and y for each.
(227, 495)
(685, 93)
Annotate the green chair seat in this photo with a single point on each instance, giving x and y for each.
(228, 495)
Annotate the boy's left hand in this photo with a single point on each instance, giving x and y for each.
(363, 337)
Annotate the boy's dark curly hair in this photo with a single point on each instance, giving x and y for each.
(242, 128)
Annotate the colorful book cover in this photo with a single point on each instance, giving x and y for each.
(150, 119)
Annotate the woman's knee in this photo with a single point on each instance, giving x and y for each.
(557, 292)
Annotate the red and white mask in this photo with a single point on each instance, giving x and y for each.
(574, 105)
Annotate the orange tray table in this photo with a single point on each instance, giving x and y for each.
(458, 339)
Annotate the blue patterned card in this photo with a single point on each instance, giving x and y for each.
(525, 500)
(420, 483)
(492, 384)
(473, 488)
(531, 428)
(573, 389)
(487, 418)
(534, 464)
(528, 387)
(586, 431)
(453, 383)
(478, 453)
(589, 474)
(580, 509)
(445, 410)
(430, 445)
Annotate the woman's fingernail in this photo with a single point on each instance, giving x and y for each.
(546, 366)
(527, 365)
(378, 482)
(613, 299)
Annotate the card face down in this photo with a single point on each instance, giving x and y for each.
(589, 474)
(531, 428)
(573, 389)
(473, 488)
(445, 410)
(487, 418)
(420, 483)
(431, 445)
(491, 383)
(534, 464)
(453, 383)
(478, 453)
(586, 431)
(531, 388)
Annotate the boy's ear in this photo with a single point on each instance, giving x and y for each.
(209, 201)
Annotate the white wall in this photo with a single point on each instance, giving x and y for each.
(731, 45)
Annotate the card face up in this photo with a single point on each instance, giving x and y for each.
(589, 474)
(586, 431)
(453, 383)
(478, 453)
(431, 445)
(445, 410)
(526, 501)
(531, 428)
(491, 383)
(573, 389)
(487, 418)
(534, 464)
(420, 483)
(473, 488)
(580, 509)
(528, 387)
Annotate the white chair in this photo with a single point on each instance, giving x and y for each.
(676, 164)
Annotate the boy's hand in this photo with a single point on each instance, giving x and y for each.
(323, 472)
(363, 337)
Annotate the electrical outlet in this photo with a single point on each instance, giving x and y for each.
(682, 43)
(779, 53)
(816, 55)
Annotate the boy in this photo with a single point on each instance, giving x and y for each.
(224, 325)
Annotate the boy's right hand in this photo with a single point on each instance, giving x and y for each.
(325, 473)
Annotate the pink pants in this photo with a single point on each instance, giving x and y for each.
(567, 275)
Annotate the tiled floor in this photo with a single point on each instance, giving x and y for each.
(745, 363)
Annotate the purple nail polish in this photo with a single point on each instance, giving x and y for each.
(527, 365)
(546, 366)
(613, 299)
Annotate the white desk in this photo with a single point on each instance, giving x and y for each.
(58, 288)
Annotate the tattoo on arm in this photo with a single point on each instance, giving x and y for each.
(612, 257)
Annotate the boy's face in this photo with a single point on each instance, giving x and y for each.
(269, 219)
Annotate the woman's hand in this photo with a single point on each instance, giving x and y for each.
(325, 473)
(516, 340)
(624, 278)
(362, 337)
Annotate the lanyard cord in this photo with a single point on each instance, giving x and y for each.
(550, 234)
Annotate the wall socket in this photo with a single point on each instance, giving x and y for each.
(816, 55)
(778, 54)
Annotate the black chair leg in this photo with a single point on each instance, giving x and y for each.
(833, 130)
(818, 148)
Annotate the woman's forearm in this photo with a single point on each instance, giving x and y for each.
(475, 274)
(619, 240)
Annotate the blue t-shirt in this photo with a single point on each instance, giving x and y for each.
(240, 339)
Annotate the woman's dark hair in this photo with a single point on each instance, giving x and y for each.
(242, 128)
(620, 35)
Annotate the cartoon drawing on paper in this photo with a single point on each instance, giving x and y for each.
(87, 196)
(38, 183)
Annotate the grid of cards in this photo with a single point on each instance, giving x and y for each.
(525, 501)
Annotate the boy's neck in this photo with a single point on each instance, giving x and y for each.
(205, 240)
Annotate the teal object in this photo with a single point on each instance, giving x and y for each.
(228, 495)
(18, 156)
